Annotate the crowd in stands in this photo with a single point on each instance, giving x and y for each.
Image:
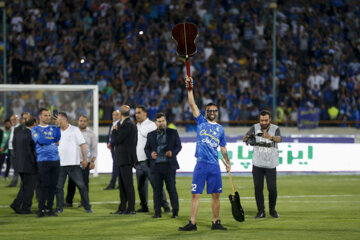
(126, 48)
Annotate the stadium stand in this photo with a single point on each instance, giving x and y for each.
(125, 47)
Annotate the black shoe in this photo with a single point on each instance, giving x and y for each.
(109, 188)
(128, 212)
(156, 216)
(175, 215)
(143, 210)
(119, 212)
(188, 227)
(16, 209)
(11, 185)
(167, 210)
(274, 214)
(68, 205)
(41, 213)
(51, 213)
(217, 226)
(58, 210)
(25, 212)
(260, 215)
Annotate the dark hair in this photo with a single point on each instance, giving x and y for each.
(84, 117)
(42, 110)
(30, 122)
(7, 120)
(159, 115)
(124, 112)
(265, 112)
(22, 115)
(210, 104)
(63, 114)
(142, 107)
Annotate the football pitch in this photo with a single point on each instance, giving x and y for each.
(310, 207)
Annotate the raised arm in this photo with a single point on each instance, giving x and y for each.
(194, 107)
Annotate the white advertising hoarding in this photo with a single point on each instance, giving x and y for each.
(293, 157)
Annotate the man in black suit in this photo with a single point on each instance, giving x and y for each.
(115, 170)
(162, 147)
(18, 127)
(26, 166)
(124, 139)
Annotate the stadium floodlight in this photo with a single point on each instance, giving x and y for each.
(75, 100)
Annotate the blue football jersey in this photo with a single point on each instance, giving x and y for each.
(46, 139)
(209, 137)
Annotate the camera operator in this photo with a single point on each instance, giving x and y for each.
(264, 136)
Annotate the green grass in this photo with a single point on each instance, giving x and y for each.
(310, 207)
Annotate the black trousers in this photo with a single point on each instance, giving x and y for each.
(48, 178)
(15, 178)
(115, 171)
(23, 200)
(258, 177)
(143, 176)
(126, 187)
(75, 173)
(5, 157)
(71, 187)
(163, 173)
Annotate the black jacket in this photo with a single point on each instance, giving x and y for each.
(173, 144)
(25, 153)
(125, 139)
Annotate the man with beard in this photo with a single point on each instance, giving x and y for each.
(210, 135)
(265, 160)
(162, 147)
(46, 138)
(91, 143)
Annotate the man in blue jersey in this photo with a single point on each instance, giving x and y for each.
(210, 135)
(46, 138)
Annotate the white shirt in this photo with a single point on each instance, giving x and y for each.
(91, 143)
(312, 80)
(69, 146)
(143, 129)
(12, 136)
(112, 128)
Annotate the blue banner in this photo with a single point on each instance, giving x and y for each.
(308, 118)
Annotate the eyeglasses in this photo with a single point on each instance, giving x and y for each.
(211, 111)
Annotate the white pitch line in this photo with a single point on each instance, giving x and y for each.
(207, 199)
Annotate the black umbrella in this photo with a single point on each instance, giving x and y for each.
(237, 210)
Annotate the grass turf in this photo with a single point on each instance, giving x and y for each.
(310, 207)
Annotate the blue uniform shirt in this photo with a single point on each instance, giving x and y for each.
(46, 139)
(209, 137)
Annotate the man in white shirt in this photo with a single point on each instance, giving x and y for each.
(315, 79)
(91, 143)
(71, 150)
(144, 126)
